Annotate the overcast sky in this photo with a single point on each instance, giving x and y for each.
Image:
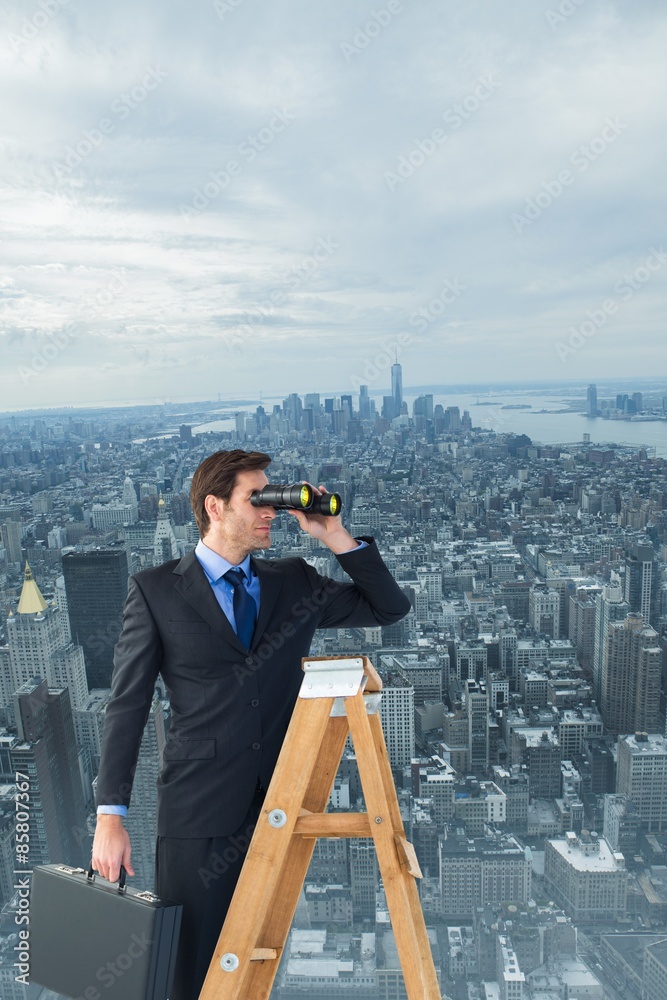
(240, 196)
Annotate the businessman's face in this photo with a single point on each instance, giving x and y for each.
(240, 528)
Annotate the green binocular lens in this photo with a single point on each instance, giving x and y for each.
(329, 504)
(298, 496)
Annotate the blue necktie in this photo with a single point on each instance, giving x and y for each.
(245, 609)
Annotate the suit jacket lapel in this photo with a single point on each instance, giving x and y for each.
(192, 584)
(270, 584)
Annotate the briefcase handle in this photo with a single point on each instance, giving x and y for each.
(121, 881)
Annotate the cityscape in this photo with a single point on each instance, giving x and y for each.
(524, 698)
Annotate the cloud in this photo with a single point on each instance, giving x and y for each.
(120, 115)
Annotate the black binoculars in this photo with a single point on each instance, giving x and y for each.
(298, 496)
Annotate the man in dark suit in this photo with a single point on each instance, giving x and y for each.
(226, 631)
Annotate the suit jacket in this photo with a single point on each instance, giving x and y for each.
(230, 706)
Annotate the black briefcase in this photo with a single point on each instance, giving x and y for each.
(94, 940)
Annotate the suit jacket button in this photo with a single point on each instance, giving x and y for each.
(257, 746)
(255, 702)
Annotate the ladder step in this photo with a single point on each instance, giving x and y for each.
(265, 954)
(408, 856)
(313, 825)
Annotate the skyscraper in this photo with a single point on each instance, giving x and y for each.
(477, 707)
(609, 607)
(364, 403)
(630, 694)
(592, 401)
(11, 540)
(44, 723)
(96, 586)
(639, 585)
(642, 777)
(39, 647)
(165, 545)
(397, 388)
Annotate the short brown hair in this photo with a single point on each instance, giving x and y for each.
(216, 475)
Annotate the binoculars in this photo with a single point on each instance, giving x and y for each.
(299, 496)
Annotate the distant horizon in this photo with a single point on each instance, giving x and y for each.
(464, 387)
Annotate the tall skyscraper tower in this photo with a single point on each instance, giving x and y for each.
(33, 634)
(96, 586)
(397, 388)
(39, 647)
(165, 545)
(592, 401)
(48, 750)
(363, 877)
(610, 606)
(639, 584)
(477, 708)
(364, 403)
(398, 718)
(630, 694)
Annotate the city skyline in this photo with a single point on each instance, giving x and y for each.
(531, 654)
(234, 202)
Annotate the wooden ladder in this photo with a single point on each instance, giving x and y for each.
(338, 696)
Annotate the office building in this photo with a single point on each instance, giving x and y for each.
(96, 586)
(544, 610)
(654, 982)
(38, 646)
(539, 749)
(33, 634)
(610, 606)
(582, 625)
(398, 717)
(47, 754)
(640, 582)
(621, 824)
(592, 401)
(477, 710)
(165, 545)
(641, 777)
(11, 540)
(363, 877)
(509, 976)
(474, 872)
(397, 388)
(586, 877)
(630, 693)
